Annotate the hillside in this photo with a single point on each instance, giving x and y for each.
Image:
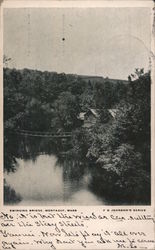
(118, 149)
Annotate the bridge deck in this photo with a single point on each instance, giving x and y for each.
(43, 134)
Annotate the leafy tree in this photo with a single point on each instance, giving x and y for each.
(122, 147)
(67, 110)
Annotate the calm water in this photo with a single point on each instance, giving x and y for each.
(47, 182)
(44, 179)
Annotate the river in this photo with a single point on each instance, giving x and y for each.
(44, 178)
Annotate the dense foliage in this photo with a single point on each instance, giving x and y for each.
(117, 149)
(121, 149)
(41, 101)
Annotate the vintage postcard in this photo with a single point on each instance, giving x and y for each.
(77, 137)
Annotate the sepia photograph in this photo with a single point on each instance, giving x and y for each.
(77, 106)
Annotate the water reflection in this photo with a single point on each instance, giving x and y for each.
(45, 182)
(45, 176)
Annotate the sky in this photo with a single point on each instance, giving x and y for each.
(108, 42)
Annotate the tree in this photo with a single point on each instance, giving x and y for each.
(122, 147)
(67, 109)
